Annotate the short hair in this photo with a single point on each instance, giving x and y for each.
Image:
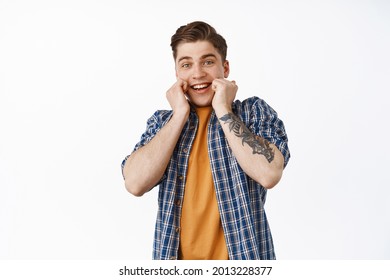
(199, 31)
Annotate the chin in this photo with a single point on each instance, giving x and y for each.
(201, 101)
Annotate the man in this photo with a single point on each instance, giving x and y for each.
(212, 156)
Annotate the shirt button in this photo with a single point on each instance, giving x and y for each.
(177, 230)
(180, 177)
(172, 258)
(185, 150)
(178, 202)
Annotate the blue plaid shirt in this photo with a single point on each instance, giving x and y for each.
(240, 199)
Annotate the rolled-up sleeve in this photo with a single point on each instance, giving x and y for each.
(153, 126)
(265, 123)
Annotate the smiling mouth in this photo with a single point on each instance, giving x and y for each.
(200, 87)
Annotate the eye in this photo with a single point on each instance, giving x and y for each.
(208, 62)
(185, 65)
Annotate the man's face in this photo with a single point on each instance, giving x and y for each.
(198, 64)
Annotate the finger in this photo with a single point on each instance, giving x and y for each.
(184, 86)
(214, 85)
(217, 81)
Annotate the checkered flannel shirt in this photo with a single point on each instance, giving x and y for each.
(240, 199)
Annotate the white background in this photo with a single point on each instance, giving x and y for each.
(78, 79)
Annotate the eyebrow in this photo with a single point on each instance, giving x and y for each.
(202, 57)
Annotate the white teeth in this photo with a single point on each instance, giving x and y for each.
(199, 86)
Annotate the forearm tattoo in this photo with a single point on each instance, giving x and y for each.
(258, 144)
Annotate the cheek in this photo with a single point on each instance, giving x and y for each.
(219, 73)
(181, 75)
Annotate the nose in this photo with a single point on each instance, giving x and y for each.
(198, 72)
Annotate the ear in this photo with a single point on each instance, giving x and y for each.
(226, 69)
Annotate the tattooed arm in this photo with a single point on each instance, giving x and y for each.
(260, 159)
(258, 145)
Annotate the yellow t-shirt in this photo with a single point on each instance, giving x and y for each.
(201, 233)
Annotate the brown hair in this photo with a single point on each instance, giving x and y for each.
(198, 31)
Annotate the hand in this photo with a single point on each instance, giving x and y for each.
(225, 93)
(177, 98)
